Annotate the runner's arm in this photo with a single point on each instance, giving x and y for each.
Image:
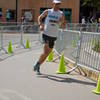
(62, 21)
(43, 15)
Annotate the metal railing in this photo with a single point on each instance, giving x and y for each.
(69, 42)
(79, 46)
(17, 34)
(89, 50)
(95, 27)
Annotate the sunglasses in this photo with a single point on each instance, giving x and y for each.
(57, 3)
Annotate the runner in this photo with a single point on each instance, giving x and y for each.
(53, 18)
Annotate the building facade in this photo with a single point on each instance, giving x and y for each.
(31, 9)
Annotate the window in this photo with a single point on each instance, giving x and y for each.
(68, 14)
(28, 14)
(0, 12)
(12, 14)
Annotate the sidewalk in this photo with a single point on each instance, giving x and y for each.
(19, 82)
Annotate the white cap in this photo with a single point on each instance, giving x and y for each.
(56, 1)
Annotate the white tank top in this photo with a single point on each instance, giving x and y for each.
(51, 26)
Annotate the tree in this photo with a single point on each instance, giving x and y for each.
(94, 4)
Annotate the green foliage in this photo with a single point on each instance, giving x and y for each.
(92, 41)
(73, 43)
(91, 3)
(97, 45)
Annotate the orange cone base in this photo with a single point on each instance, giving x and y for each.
(58, 72)
(96, 92)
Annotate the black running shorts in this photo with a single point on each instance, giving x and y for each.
(48, 39)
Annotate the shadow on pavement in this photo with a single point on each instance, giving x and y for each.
(68, 80)
(18, 51)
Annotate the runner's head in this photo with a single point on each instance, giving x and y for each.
(56, 4)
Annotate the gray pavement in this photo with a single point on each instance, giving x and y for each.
(19, 82)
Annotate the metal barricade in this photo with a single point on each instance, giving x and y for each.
(17, 35)
(69, 42)
(89, 51)
(89, 27)
(1, 41)
(80, 48)
(11, 33)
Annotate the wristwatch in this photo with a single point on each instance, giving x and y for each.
(40, 24)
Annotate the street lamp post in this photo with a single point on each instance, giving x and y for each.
(16, 9)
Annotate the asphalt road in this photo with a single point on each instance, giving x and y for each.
(19, 82)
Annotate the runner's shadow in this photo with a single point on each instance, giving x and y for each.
(68, 80)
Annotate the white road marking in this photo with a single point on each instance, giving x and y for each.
(3, 91)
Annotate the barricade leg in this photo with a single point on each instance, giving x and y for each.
(21, 38)
(2, 48)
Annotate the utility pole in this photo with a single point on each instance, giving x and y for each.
(16, 9)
